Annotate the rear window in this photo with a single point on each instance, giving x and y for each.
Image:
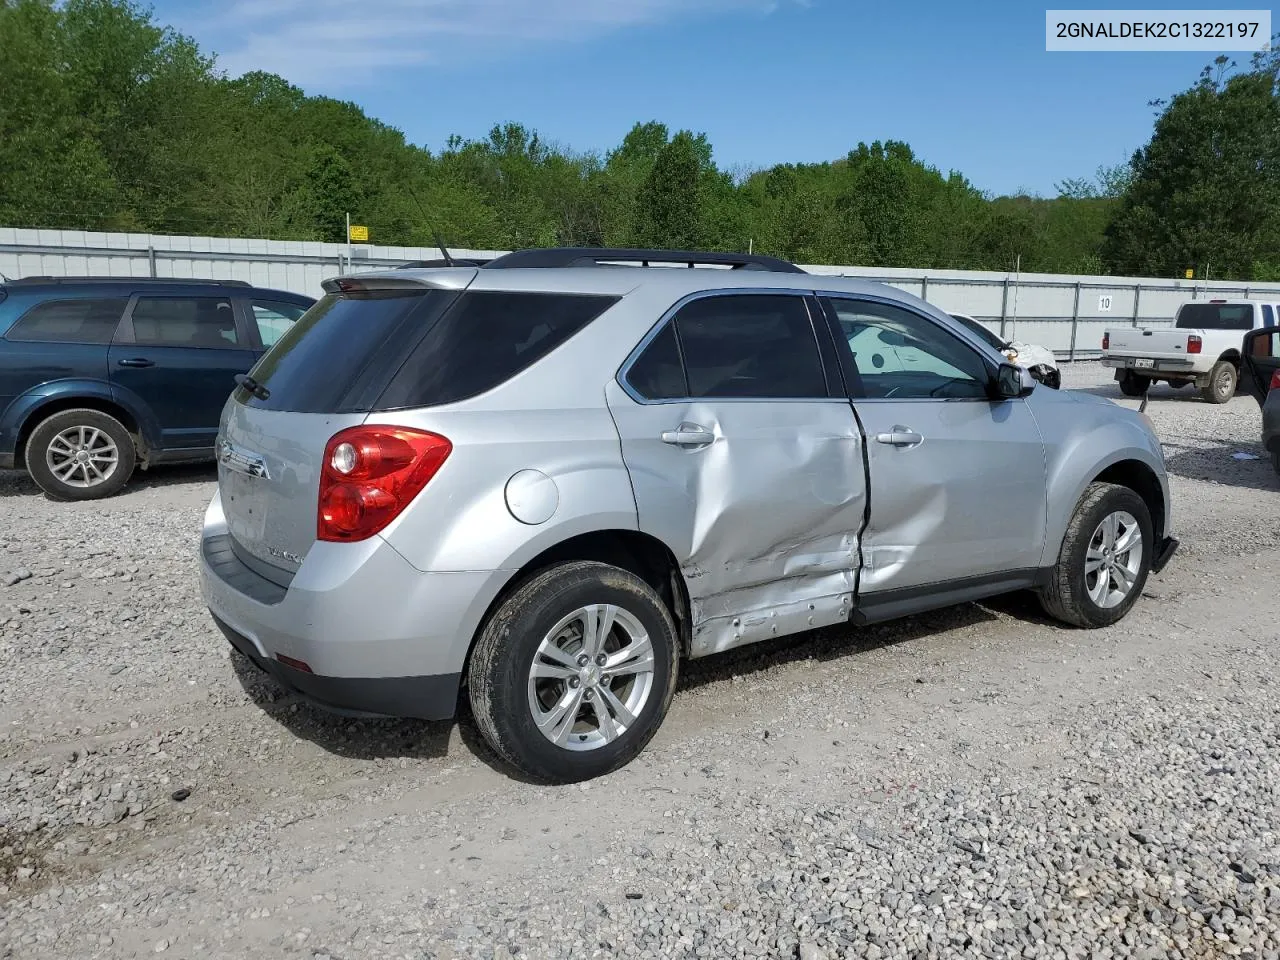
(360, 351)
(485, 339)
(339, 354)
(70, 321)
(1216, 316)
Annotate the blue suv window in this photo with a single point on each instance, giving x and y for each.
(69, 321)
(185, 322)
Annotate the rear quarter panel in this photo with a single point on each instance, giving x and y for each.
(551, 418)
(1083, 436)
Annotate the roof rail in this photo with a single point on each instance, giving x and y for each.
(607, 256)
(156, 280)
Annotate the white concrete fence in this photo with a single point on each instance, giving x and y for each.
(1065, 313)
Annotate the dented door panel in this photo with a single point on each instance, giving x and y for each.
(968, 500)
(763, 516)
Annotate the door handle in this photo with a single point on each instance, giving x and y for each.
(688, 435)
(137, 362)
(900, 436)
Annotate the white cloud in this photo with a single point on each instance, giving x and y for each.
(340, 44)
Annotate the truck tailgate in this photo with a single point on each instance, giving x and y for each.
(1164, 348)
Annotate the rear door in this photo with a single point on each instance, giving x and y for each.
(746, 460)
(64, 338)
(958, 480)
(179, 354)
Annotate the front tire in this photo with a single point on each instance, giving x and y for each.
(1133, 385)
(573, 674)
(1222, 382)
(1104, 560)
(80, 454)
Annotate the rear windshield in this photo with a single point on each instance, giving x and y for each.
(1216, 316)
(366, 351)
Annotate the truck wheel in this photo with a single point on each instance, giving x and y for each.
(1275, 460)
(1104, 560)
(80, 455)
(1222, 382)
(1133, 385)
(574, 672)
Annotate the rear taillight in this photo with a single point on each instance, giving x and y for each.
(1194, 344)
(370, 474)
(1106, 341)
(1275, 381)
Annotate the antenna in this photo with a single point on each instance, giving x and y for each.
(444, 251)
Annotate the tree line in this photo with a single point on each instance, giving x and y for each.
(110, 121)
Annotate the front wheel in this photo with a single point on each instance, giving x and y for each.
(1133, 385)
(1104, 560)
(1222, 382)
(80, 455)
(573, 673)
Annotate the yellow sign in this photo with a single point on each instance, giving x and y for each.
(359, 234)
(1190, 273)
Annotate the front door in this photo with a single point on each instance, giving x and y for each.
(179, 355)
(1261, 361)
(958, 480)
(746, 460)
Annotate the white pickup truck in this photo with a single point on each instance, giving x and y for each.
(1202, 347)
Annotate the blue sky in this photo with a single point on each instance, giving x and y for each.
(970, 87)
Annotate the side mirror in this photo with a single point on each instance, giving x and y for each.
(1012, 381)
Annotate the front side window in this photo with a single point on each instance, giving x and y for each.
(70, 321)
(274, 318)
(185, 322)
(900, 355)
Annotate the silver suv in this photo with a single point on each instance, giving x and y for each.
(548, 479)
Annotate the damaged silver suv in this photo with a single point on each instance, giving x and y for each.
(548, 479)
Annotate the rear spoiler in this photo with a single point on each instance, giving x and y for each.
(449, 278)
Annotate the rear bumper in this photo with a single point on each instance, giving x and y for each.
(1164, 553)
(379, 636)
(1178, 366)
(421, 698)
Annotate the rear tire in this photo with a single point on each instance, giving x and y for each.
(1222, 382)
(80, 454)
(1098, 577)
(1275, 460)
(1133, 385)
(578, 638)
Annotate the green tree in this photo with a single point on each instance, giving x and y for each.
(1206, 189)
(669, 201)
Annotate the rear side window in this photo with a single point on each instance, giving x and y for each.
(185, 322)
(1216, 316)
(1268, 316)
(69, 321)
(750, 345)
(485, 339)
(657, 373)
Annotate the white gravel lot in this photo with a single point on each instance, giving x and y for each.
(973, 782)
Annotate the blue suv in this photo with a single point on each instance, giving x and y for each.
(100, 375)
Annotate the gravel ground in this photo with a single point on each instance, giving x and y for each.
(972, 782)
